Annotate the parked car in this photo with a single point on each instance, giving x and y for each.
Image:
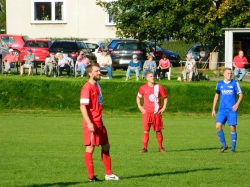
(158, 52)
(113, 43)
(123, 51)
(96, 47)
(199, 51)
(4, 50)
(15, 42)
(39, 49)
(69, 48)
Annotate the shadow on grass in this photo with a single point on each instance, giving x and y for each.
(196, 149)
(171, 173)
(60, 184)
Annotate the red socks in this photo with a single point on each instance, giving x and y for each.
(145, 139)
(89, 164)
(106, 162)
(159, 137)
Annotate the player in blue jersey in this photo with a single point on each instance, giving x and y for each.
(227, 89)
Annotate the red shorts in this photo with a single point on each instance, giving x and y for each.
(99, 137)
(155, 120)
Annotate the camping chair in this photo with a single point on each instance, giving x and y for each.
(12, 65)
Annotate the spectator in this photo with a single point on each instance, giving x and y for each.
(82, 62)
(190, 68)
(149, 66)
(134, 66)
(239, 64)
(63, 63)
(8, 60)
(164, 65)
(105, 62)
(50, 65)
(29, 62)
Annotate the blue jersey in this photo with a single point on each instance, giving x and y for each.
(228, 92)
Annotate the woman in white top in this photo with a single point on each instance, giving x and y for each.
(63, 63)
(190, 68)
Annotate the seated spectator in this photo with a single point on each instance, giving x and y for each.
(239, 64)
(149, 66)
(134, 66)
(164, 65)
(105, 63)
(190, 68)
(64, 63)
(28, 62)
(50, 65)
(8, 60)
(82, 62)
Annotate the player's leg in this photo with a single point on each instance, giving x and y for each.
(88, 159)
(232, 122)
(159, 138)
(158, 126)
(221, 120)
(146, 129)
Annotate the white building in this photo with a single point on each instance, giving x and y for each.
(59, 18)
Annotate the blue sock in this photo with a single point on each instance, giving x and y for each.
(221, 136)
(233, 139)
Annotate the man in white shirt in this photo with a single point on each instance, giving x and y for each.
(105, 63)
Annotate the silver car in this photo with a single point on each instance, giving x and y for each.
(4, 49)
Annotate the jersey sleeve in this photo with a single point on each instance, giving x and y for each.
(140, 92)
(84, 95)
(163, 92)
(237, 88)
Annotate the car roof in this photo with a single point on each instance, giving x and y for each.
(36, 39)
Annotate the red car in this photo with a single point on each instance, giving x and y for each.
(39, 49)
(15, 42)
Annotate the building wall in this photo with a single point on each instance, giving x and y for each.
(84, 19)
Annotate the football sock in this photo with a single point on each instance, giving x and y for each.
(145, 139)
(221, 136)
(159, 137)
(106, 162)
(89, 164)
(233, 139)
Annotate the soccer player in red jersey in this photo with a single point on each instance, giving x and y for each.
(152, 110)
(94, 131)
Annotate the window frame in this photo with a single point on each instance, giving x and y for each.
(52, 21)
(112, 23)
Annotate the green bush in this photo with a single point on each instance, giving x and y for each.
(119, 96)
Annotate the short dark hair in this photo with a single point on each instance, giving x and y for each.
(164, 56)
(90, 67)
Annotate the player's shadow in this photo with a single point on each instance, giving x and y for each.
(171, 173)
(60, 184)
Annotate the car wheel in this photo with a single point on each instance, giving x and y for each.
(16, 52)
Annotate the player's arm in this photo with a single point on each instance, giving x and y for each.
(86, 118)
(138, 101)
(216, 96)
(165, 102)
(235, 107)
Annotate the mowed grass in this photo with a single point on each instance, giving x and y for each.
(46, 150)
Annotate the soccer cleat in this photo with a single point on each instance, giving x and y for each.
(162, 150)
(143, 151)
(112, 177)
(94, 179)
(223, 148)
(232, 151)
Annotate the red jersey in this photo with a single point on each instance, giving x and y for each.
(152, 96)
(240, 62)
(91, 96)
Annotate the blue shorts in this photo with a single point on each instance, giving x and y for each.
(227, 115)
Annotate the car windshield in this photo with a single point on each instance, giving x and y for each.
(131, 46)
(36, 44)
(92, 46)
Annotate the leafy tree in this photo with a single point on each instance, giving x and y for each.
(193, 20)
(3, 14)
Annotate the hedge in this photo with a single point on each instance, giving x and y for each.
(119, 97)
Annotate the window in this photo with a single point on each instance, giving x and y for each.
(48, 11)
(8, 39)
(110, 19)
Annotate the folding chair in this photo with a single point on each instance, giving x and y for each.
(104, 74)
(32, 69)
(12, 65)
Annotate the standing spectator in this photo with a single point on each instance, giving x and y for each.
(190, 68)
(227, 89)
(50, 65)
(134, 66)
(239, 64)
(105, 62)
(63, 63)
(29, 62)
(82, 62)
(164, 65)
(152, 110)
(95, 133)
(8, 60)
(149, 66)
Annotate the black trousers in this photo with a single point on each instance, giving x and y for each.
(161, 71)
(67, 67)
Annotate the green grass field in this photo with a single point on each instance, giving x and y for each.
(47, 151)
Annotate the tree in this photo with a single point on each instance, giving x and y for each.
(197, 21)
(3, 14)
